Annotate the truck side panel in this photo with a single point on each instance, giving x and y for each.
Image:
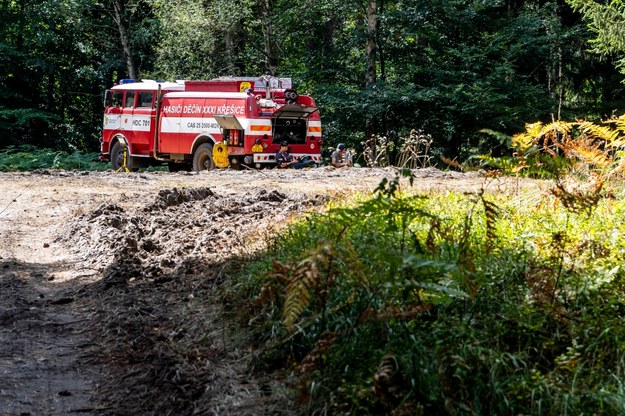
(169, 128)
(183, 119)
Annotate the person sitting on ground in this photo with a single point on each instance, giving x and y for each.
(285, 160)
(341, 157)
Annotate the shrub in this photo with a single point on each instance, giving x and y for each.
(28, 158)
(454, 303)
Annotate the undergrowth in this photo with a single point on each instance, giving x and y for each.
(28, 158)
(450, 303)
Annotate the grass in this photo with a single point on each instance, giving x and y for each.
(445, 304)
(29, 158)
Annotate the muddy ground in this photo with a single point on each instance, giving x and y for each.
(109, 300)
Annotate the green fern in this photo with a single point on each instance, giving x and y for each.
(491, 212)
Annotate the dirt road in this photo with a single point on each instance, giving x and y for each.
(107, 296)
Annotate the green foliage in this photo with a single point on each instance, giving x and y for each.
(447, 304)
(49, 77)
(28, 158)
(606, 22)
(448, 69)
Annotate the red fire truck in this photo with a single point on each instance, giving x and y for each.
(201, 125)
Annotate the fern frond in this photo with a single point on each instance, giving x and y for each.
(617, 170)
(577, 198)
(304, 281)
(430, 241)
(275, 280)
(387, 378)
(534, 129)
(522, 143)
(451, 162)
(322, 255)
(553, 135)
(536, 132)
(599, 132)
(618, 122)
(465, 254)
(491, 212)
(561, 127)
(297, 298)
(588, 151)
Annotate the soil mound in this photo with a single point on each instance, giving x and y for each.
(156, 317)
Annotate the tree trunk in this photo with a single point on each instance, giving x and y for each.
(372, 29)
(380, 53)
(124, 37)
(555, 84)
(370, 59)
(271, 58)
(379, 44)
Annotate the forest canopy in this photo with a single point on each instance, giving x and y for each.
(448, 68)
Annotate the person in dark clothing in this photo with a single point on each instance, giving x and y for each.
(341, 157)
(285, 160)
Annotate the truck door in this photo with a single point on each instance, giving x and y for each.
(192, 124)
(143, 118)
(127, 118)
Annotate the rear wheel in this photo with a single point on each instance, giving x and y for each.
(203, 158)
(120, 158)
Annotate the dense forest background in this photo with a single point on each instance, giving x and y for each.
(450, 69)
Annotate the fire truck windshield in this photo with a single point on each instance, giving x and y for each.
(113, 98)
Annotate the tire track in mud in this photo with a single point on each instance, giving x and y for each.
(43, 347)
(157, 323)
(41, 362)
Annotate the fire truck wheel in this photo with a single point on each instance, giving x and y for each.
(120, 158)
(203, 158)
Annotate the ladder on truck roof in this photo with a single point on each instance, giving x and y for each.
(266, 81)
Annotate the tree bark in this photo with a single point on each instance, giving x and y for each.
(371, 52)
(124, 37)
(370, 59)
(380, 51)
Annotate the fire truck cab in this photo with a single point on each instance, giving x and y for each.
(202, 125)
